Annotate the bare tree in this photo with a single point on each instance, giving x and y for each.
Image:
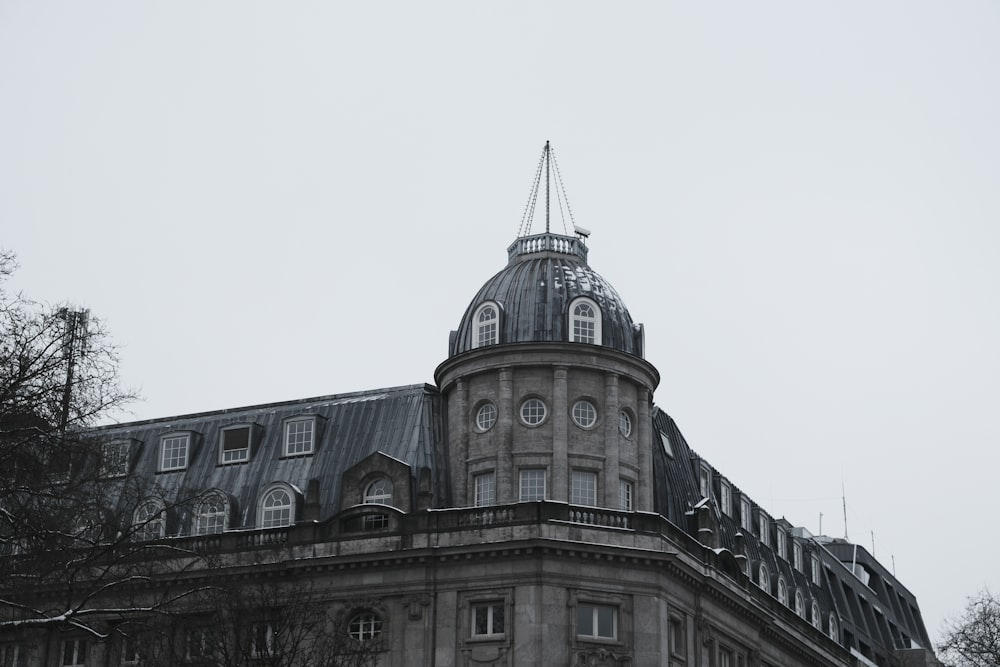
(973, 638)
(70, 553)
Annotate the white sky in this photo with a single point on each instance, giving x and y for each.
(799, 200)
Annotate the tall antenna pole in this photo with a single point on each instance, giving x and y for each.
(546, 187)
(843, 499)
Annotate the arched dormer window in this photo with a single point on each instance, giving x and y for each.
(815, 619)
(782, 591)
(832, 629)
(584, 322)
(149, 521)
(379, 492)
(487, 325)
(800, 604)
(211, 515)
(277, 508)
(763, 578)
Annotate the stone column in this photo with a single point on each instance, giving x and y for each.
(644, 441)
(505, 456)
(612, 405)
(458, 419)
(560, 435)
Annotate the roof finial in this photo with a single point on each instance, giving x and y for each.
(547, 162)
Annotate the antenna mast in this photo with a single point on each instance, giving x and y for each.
(547, 169)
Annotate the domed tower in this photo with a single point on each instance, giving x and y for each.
(546, 392)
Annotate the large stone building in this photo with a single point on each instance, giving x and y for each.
(534, 508)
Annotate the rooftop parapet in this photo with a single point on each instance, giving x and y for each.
(542, 243)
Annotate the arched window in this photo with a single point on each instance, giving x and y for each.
(533, 412)
(487, 325)
(832, 630)
(800, 604)
(763, 578)
(585, 322)
(149, 521)
(276, 508)
(816, 620)
(625, 423)
(364, 626)
(782, 591)
(211, 516)
(379, 492)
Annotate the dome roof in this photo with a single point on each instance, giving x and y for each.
(545, 274)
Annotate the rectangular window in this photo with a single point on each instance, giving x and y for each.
(583, 489)
(814, 562)
(299, 437)
(678, 640)
(131, 650)
(532, 485)
(764, 524)
(74, 653)
(625, 495)
(782, 543)
(200, 644)
(725, 498)
(262, 636)
(114, 460)
(726, 658)
(235, 445)
(665, 442)
(705, 482)
(488, 619)
(486, 490)
(745, 513)
(596, 621)
(174, 452)
(797, 556)
(11, 655)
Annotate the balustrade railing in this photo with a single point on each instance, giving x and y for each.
(566, 245)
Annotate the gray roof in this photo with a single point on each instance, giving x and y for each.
(399, 422)
(534, 291)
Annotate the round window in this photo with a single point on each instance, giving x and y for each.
(533, 411)
(486, 417)
(584, 414)
(625, 423)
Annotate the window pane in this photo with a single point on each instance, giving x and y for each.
(532, 485)
(485, 490)
(585, 620)
(486, 417)
(605, 622)
(497, 619)
(584, 488)
(299, 437)
(482, 615)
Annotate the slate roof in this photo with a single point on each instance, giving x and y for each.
(400, 422)
(534, 291)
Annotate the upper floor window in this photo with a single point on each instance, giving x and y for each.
(74, 653)
(764, 524)
(797, 556)
(174, 451)
(12, 655)
(487, 319)
(584, 414)
(782, 542)
(800, 604)
(744, 513)
(235, 445)
(211, 516)
(831, 628)
(596, 621)
(363, 626)
(379, 492)
(533, 412)
(299, 436)
(532, 485)
(486, 416)
(763, 578)
(488, 619)
(625, 495)
(262, 639)
(485, 489)
(725, 497)
(705, 481)
(815, 618)
(814, 568)
(149, 521)
(276, 508)
(115, 458)
(782, 591)
(583, 488)
(585, 322)
(625, 423)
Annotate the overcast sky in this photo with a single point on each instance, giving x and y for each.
(798, 199)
